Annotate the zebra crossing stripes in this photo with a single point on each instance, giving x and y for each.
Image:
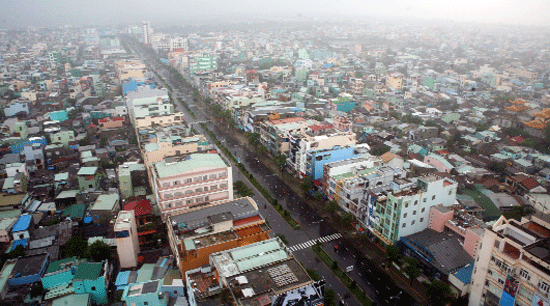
(312, 242)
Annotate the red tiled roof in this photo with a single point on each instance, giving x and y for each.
(530, 183)
(517, 139)
(140, 207)
(244, 221)
(318, 127)
(442, 152)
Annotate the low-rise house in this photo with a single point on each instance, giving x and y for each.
(88, 178)
(93, 278)
(147, 293)
(60, 272)
(21, 229)
(28, 269)
(105, 208)
(6, 224)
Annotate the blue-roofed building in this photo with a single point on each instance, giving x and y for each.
(20, 242)
(20, 229)
(60, 116)
(28, 269)
(461, 279)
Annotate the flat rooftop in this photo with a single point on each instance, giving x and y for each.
(278, 277)
(193, 162)
(29, 265)
(200, 217)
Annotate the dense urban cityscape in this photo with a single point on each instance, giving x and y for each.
(280, 163)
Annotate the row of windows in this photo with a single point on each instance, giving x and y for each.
(412, 222)
(195, 179)
(191, 191)
(414, 212)
(188, 202)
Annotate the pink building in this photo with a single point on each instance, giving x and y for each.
(192, 181)
(456, 220)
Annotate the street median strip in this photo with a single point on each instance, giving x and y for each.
(279, 208)
(344, 278)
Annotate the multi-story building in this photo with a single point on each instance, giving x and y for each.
(146, 32)
(93, 278)
(316, 159)
(405, 210)
(127, 243)
(63, 137)
(348, 189)
(281, 279)
(423, 132)
(394, 81)
(204, 62)
(274, 133)
(189, 181)
(301, 143)
(132, 180)
(130, 69)
(513, 266)
(199, 232)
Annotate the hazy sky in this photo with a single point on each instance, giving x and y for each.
(20, 13)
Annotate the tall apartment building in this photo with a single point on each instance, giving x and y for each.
(127, 243)
(189, 181)
(513, 265)
(205, 62)
(405, 210)
(146, 31)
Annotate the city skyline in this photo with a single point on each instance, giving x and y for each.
(32, 13)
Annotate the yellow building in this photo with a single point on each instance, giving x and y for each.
(394, 81)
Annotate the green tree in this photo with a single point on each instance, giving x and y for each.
(331, 207)
(497, 167)
(438, 293)
(392, 251)
(19, 251)
(412, 269)
(253, 139)
(76, 246)
(330, 297)
(280, 161)
(99, 251)
(346, 219)
(103, 142)
(307, 184)
(380, 150)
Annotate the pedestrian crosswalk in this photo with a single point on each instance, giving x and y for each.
(312, 242)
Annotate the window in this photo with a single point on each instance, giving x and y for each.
(212, 176)
(169, 205)
(146, 303)
(406, 204)
(168, 196)
(197, 179)
(164, 185)
(421, 219)
(188, 191)
(423, 210)
(433, 197)
(414, 212)
(405, 215)
(198, 190)
(190, 201)
(178, 194)
(214, 187)
(223, 185)
(544, 286)
(524, 274)
(93, 288)
(188, 180)
(206, 198)
(204, 178)
(404, 225)
(176, 183)
(486, 282)
(501, 281)
(223, 174)
(424, 200)
(412, 222)
(205, 188)
(179, 203)
(416, 202)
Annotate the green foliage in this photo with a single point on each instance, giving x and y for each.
(280, 161)
(283, 238)
(99, 251)
(412, 269)
(330, 297)
(438, 293)
(19, 251)
(518, 212)
(497, 167)
(331, 207)
(392, 251)
(76, 246)
(242, 189)
(318, 118)
(408, 118)
(346, 218)
(380, 150)
(307, 184)
(313, 274)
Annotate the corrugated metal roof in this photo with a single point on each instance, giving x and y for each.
(22, 224)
